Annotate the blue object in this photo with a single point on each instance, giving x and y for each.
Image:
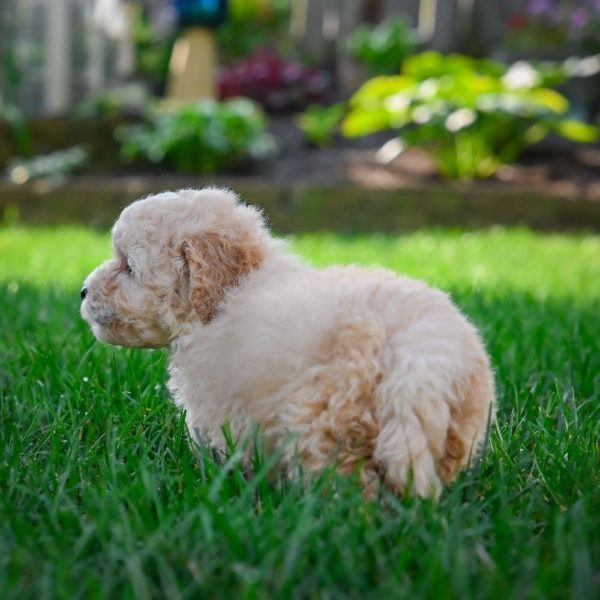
(208, 13)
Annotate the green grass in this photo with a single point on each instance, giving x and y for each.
(101, 495)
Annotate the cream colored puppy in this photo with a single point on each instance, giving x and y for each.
(359, 367)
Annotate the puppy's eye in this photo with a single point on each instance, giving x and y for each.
(128, 267)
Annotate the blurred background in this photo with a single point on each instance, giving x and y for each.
(379, 94)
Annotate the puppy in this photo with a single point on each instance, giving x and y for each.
(375, 373)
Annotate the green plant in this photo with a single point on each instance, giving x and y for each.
(10, 72)
(320, 123)
(471, 115)
(250, 25)
(56, 164)
(14, 118)
(152, 50)
(383, 48)
(202, 137)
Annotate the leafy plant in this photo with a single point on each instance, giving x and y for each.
(383, 48)
(54, 165)
(471, 115)
(14, 118)
(152, 45)
(320, 123)
(201, 137)
(272, 81)
(250, 25)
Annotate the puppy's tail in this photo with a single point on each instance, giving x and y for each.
(434, 409)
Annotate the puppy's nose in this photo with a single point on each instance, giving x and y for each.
(84, 292)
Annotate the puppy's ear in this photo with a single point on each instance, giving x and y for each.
(216, 262)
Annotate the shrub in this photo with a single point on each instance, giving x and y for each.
(252, 24)
(201, 137)
(383, 48)
(273, 82)
(320, 123)
(471, 115)
(152, 41)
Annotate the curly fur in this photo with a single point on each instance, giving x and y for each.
(372, 372)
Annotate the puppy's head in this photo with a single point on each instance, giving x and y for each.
(175, 255)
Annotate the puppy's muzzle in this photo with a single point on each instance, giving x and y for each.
(83, 293)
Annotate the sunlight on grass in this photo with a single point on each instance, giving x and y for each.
(556, 265)
(60, 256)
(545, 266)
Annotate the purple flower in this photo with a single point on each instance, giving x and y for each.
(579, 18)
(537, 8)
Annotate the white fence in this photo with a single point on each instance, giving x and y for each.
(59, 56)
(445, 25)
(62, 58)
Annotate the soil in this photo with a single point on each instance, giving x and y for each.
(554, 167)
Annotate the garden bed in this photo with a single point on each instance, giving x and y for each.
(555, 167)
(556, 186)
(297, 206)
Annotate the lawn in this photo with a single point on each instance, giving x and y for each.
(101, 495)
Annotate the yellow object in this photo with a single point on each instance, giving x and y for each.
(193, 66)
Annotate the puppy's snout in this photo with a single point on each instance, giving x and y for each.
(84, 293)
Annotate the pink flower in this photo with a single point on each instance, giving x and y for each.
(579, 18)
